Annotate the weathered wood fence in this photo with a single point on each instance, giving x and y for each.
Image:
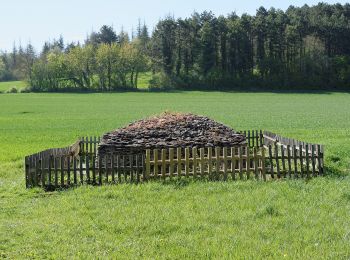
(266, 156)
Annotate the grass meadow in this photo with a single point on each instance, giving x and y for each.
(5, 86)
(294, 219)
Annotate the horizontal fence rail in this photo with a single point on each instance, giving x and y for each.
(265, 156)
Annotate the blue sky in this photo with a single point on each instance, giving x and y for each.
(40, 20)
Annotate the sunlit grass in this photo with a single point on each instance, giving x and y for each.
(5, 86)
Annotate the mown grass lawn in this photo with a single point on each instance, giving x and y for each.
(245, 219)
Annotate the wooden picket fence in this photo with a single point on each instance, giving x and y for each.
(266, 156)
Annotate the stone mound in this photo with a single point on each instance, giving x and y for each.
(170, 130)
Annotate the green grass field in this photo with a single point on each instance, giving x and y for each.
(246, 219)
(5, 86)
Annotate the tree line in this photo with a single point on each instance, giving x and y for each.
(302, 47)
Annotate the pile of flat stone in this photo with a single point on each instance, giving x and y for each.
(170, 130)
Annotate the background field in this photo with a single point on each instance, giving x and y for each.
(182, 219)
(5, 86)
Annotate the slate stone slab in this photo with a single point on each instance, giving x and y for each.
(170, 130)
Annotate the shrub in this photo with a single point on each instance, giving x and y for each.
(161, 81)
(12, 90)
(26, 90)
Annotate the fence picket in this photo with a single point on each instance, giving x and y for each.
(301, 160)
(240, 153)
(263, 171)
(210, 162)
(277, 162)
(171, 162)
(68, 170)
(62, 171)
(148, 164)
(319, 160)
(75, 170)
(289, 162)
(49, 170)
(225, 162)
(81, 170)
(179, 163)
(94, 169)
(87, 169)
(313, 160)
(202, 164)
(283, 163)
(307, 161)
(247, 162)
(55, 171)
(295, 161)
(217, 163)
(131, 168)
(194, 157)
(187, 161)
(113, 167)
(155, 158)
(163, 164)
(249, 140)
(271, 162)
(42, 171)
(256, 163)
(233, 163)
(119, 167)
